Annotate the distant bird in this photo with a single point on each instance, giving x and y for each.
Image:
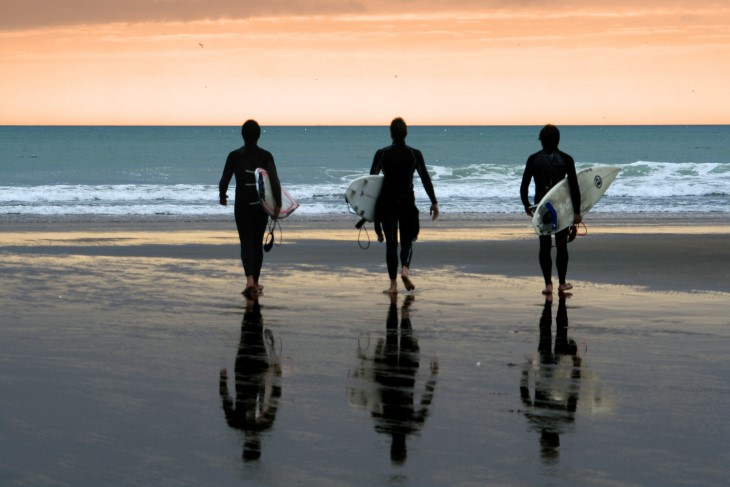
(200, 44)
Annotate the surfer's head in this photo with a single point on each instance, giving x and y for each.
(398, 130)
(251, 131)
(550, 137)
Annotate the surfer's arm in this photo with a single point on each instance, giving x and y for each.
(524, 188)
(574, 188)
(377, 163)
(225, 181)
(425, 177)
(427, 185)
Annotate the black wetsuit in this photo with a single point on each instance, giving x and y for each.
(396, 208)
(548, 168)
(251, 218)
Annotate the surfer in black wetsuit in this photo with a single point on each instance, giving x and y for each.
(396, 207)
(548, 167)
(251, 219)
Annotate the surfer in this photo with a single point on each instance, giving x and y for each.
(396, 208)
(548, 167)
(251, 219)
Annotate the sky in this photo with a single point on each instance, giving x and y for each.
(363, 62)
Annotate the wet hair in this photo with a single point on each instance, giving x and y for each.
(398, 129)
(251, 131)
(550, 137)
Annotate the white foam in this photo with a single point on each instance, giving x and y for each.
(642, 186)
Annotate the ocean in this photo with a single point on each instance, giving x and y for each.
(133, 171)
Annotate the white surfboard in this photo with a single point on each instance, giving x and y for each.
(266, 196)
(555, 211)
(362, 195)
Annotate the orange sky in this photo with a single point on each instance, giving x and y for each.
(364, 62)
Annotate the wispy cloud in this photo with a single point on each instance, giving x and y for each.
(29, 14)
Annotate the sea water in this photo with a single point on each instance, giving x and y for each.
(128, 171)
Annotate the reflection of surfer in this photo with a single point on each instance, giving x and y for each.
(556, 375)
(396, 363)
(258, 386)
(396, 208)
(548, 167)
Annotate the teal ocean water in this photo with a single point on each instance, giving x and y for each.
(175, 170)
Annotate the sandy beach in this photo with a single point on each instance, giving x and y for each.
(115, 335)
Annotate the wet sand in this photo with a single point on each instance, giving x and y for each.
(114, 336)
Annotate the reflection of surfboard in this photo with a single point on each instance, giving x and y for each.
(362, 195)
(288, 204)
(555, 211)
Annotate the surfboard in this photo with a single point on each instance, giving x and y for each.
(266, 196)
(555, 211)
(362, 195)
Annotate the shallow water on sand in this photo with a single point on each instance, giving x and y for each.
(111, 376)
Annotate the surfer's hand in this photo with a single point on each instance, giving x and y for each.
(224, 201)
(434, 211)
(530, 211)
(577, 218)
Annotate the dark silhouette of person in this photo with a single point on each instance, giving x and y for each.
(548, 167)
(396, 210)
(396, 363)
(257, 382)
(556, 376)
(251, 219)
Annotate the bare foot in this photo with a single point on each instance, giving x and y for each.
(408, 283)
(251, 292)
(393, 289)
(548, 289)
(565, 287)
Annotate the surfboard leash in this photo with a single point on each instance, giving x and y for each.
(360, 225)
(573, 233)
(270, 237)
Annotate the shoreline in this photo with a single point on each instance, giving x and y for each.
(670, 254)
(347, 221)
